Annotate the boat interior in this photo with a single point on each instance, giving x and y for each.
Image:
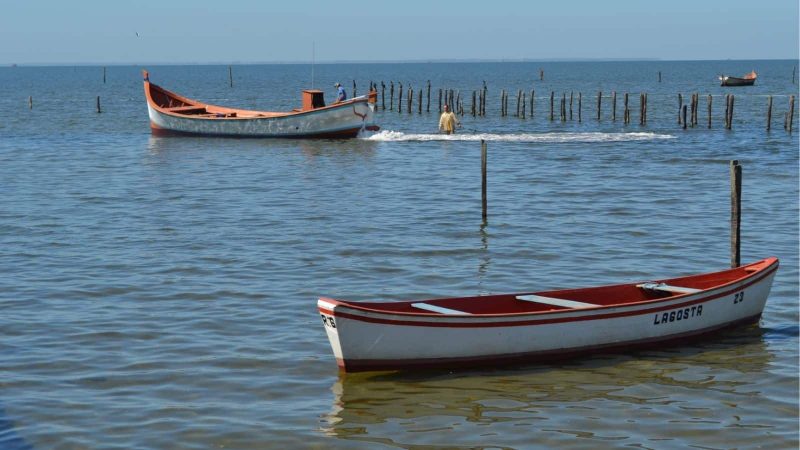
(572, 299)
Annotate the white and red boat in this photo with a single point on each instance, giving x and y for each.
(746, 80)
(171, 113)
(541, 326)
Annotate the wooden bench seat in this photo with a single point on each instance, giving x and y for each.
(439, 309)
(555, 301)
(667, 288)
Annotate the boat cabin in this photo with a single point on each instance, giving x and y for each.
(313, 99)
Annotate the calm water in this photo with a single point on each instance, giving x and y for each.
(160, 292)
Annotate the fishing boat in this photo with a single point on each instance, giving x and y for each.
(542, 326)
(746, 80)
(171, 113)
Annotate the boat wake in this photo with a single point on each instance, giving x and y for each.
(398, 136)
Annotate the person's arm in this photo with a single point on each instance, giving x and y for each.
(441, 122)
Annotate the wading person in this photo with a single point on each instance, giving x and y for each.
(448, 121)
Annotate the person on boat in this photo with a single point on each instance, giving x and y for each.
(448, 121)
(341, 95)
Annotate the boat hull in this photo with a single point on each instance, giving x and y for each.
(734, 81)
(372, 340)
(344, 121)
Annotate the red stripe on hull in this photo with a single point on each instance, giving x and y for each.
(535, 357)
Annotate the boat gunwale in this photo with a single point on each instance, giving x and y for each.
(768, 266)
(270, 115)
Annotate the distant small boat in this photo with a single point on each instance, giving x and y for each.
(171, 113)
(542, 326)
(746, 80)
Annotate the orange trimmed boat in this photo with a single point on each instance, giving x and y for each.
(171, 113)
(542, 326)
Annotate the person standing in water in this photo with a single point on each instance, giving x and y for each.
(448, 121)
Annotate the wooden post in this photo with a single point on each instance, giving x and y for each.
(428, 106)
(599, 99)
(692, 109)
(684, 116)
(440, 99)
(626, 113)
(400, 98)
(98, 104)
(541, 74)
(30, 102)
(104, 75)
(580, 106)
(523, 104)
(533, 95)
(483, 179)
(680, 107)
(230, 75)
(551, 105)
(485, 93)
(410, 98)
(354, 89)
(794, 69)
(730, 113)
(472, 108)
(644, 113)
(641, 109)
(659, 76)
(709, 111)
(791, 112)
(383, 95)
(769, 113)
(519, 102)
(391, 95)
(614, 106)
(419, 109)
(736, 212)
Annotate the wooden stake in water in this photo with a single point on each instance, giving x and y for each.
(580, 106)
(709, 111)
(769, 113)
(791, 112)
(104, 75)
(599, 103)
(684, 116)
(383, 95)
(230, 75)
(391, 95)
(533, 95)
(428, 107)
(30, 102)
(98, 104)
(659, 76)
(614, 106)
(736, 212)
(626, 113)
(400, 98)
(551, 105)
(483, 180)
(680, 107)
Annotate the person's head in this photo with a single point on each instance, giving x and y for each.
(446, 108)
(336, 85)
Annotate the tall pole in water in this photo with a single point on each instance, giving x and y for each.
(313, 51)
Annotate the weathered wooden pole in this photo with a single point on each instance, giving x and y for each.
(709, 111)
(383, 95)
(502, 101)
(736, 212)
(355, 94)
(551, 105)
(644, 113)
(533, 95)
(730, 113)
(564, 107)
(483, 180)
(523, 104)
(541, 74)
(599, 103)
(440, 99)
(769, 113)
(230, 75)
(626, 114)
(400, 98)
(684, 117)
(727, 107)
(104, 75)
(419, 109)
(485, 94)
(410, 98)
(428, 106)
(519, 102)
(472, 108)
(680, 107)
(98, 104)
(614, 106)
(30, 102)
(791, 112)
(659, 76)
(580, 106)
(692, 109)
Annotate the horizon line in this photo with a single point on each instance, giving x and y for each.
(356, 61)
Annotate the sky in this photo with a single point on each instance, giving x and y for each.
(253, 31)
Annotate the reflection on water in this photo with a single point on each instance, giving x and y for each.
(677, 394)
(161, 145)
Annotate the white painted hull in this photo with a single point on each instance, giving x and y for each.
(376, 340)
(345, 120)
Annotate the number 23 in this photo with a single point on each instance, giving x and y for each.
(738, 298)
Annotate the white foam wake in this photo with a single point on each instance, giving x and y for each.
(398, 136)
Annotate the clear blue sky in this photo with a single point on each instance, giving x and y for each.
(226, 31)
